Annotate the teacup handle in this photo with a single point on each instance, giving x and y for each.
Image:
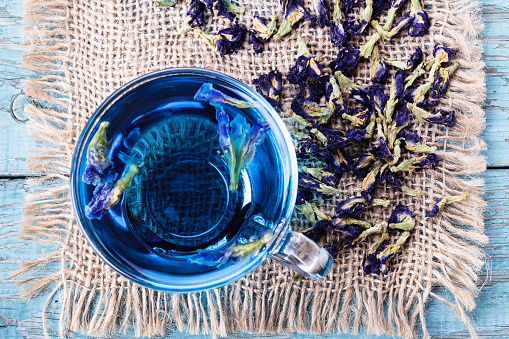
(303, 255)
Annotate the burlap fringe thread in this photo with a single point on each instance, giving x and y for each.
(100, 311)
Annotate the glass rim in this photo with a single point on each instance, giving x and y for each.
(280, 230)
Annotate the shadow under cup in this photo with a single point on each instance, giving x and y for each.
(179, 204)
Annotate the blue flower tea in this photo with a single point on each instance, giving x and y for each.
(181, 205)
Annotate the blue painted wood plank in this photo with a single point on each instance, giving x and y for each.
(490, 318)
(496, 56)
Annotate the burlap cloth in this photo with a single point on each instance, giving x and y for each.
(84, 50)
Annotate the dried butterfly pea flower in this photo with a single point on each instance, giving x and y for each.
(360, 164)
(166, 3)
(260, 32)
(231, 39)
(429, 161)
(305, 66)
(217, 98)
(223, 8)
(391, 14)
(412, 142)
(356, 134)
(401, 219)
(335, 138)
(238, 141)
(379, 6)
(236, 253)
(415, 59)
(357, 118)
(270, 86)
(312, 128)
(442, 81)
(351, 206)
(98, 166)
(357, 27)
(347, 5)
(379, 72)
(321, 174)
(395, 94)
(440, 204)
(441, 117)
(346, 60)
(310, 184)
(293, 13)
(372, 230)
(416, 21)
(443, 54)
(338, 34)
(387, 254)
(382, 151)
(195, 17)
(322, 10)
(109, 193)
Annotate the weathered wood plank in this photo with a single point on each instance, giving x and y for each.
(23, 319)
(496, 56)
(14, 143)
(14, 148)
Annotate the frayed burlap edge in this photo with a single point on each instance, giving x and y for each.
(457, 257)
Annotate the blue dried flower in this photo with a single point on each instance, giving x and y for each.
(260, 32)
(442, 117)
(311, 90)
(293, 13)
(379, 6)
(401, 219)
(443, 54)
(401, 118)
(335, 138)
(333, 251)
(338, 35)
(223, 8)
(377, 98)
(217, 98)
(441, 81)
(231, 39)
(270, 86)
(351, 206)
(356, 134)
(305, 67)
(312, 185)
(415, 59)
(379, 72)
(315, 232)
(360, 164)
(322, 10)
(346, 60)
(429, 161)
(370, 263)
(440, 204)
(239, 142)
(108, 194)
(416, 21)
(195, 17)
(355, 27)
(387, 254)
(98, 166)
(382, 151)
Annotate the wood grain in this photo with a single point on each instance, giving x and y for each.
(22, 319)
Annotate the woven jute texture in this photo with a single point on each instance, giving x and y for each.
(84, 50)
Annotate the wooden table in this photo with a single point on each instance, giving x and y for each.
(22, 319)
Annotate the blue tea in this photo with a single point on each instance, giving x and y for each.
(179, 205)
